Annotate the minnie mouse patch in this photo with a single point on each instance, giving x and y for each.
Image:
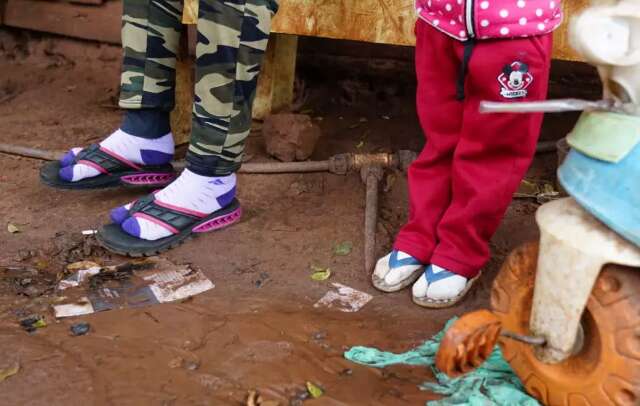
(515, 79)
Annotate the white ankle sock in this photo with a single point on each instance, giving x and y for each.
(190, 191)
(141, 151)
(444, 289)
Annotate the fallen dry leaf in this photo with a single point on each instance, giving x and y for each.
(314, 390)
(320, 274)
(12, 370)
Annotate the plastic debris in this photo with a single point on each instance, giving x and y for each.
(133, 284)
(76, 266)
(83, 271)
(344, 248)
(262, 280)
(542, 191)
(80, 329)
(179, 362)
(89, 232)
(314, 390)
(12, 228)
(494, 383)
(320, 274)
(31, 324)
(8, 372)
(344, 299)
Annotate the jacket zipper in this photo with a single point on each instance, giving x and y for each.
(470, 17)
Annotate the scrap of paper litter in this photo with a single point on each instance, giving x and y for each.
(344, 298)
(166, 283)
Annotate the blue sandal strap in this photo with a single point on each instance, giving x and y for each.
(433, 277)
(394, 262)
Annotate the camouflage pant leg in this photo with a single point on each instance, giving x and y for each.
(151, 39)
(232, 39)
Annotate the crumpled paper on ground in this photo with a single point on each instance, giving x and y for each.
(494, 383)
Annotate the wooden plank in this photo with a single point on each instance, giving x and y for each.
(81, 21)
(378, 21)
(181, 114)
(277, 76)
(562, 48)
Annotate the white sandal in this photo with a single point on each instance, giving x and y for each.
(391, 263)
(433, 277)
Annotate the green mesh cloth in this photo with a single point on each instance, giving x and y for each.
(494, 383)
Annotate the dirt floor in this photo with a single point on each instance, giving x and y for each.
(258, 328)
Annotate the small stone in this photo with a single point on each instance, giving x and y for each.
(176, 363)
(33, 291)
(296, 189)
(191, 365)
(80, 329)
(290, 137)
(179, 362)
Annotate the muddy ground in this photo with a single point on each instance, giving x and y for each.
(258, 328)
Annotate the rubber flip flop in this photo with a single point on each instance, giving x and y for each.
(182, 223)
(115, 171)
(381, 285)
(442, 304)
(395, 263)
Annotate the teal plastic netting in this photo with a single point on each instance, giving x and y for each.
(494, 383)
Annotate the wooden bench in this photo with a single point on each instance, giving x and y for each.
(376, 21)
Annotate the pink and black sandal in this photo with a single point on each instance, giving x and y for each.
(114, 171)
(181, 222)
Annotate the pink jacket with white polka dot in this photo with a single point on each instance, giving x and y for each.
(485, 19)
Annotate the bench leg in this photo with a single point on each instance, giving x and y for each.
(275, 86)
(277, 76)
(181, 114)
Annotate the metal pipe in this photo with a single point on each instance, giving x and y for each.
(285, 167)
(30, 152)
(537, 341)
(339, 164)
(371, 176)
(275, 167)
(549, 106)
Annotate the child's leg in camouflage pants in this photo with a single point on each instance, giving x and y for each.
(232, 38)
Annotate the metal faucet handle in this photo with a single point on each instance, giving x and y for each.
(559, 106)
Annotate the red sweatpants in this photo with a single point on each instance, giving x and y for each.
(463, 181)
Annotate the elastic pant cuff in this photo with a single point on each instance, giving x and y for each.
(210, 165)
(146, 123)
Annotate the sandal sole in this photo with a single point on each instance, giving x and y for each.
(435, 304)
(114, 239)
(379, 283)
(155, 177)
